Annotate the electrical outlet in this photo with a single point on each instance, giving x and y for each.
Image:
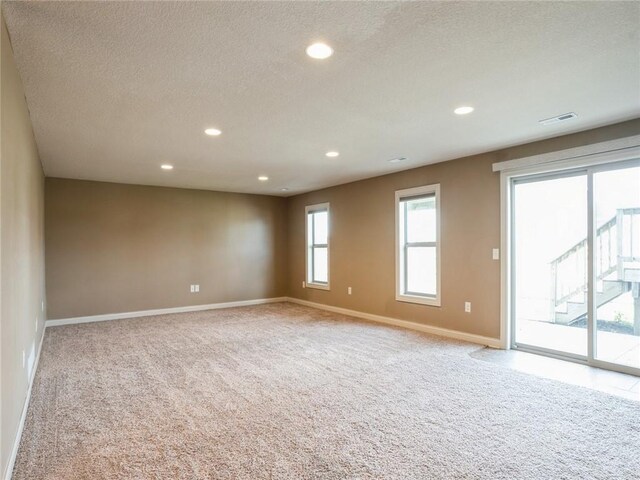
(496, 254)
(349, 290)
(467, 307)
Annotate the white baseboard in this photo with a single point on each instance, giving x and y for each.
(162, 311)
(23, 417)
(443, 332)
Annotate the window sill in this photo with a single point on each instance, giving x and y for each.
(318, 286)
(433, 302)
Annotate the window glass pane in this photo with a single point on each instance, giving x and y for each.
(320, 265)
(616, 202)
(421, 270)
(550, 262)
(309, 229)
(321, 227)
(421, 219)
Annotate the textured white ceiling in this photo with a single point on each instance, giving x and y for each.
(117, 88)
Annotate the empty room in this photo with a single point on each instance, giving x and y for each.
(320, 240)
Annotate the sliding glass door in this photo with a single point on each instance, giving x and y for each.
(575, 264)
(616, 204)
(550, 262)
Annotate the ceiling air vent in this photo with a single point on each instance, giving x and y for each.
(560, 118)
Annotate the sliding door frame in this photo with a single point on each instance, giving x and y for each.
(532, 178)
(514, 171)
(592, 307)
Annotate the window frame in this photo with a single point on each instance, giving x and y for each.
(401, 270)
(309, 246)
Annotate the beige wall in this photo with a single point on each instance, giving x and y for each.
(363, 237)
(21, 249)
(114, 248)
(120, 248)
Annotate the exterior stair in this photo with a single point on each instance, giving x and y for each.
(576, 309)
(617, 247)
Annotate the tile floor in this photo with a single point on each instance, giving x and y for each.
(614, 383)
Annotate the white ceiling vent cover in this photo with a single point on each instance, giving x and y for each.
(560, 118)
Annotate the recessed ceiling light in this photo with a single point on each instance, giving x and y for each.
(463, 110)
(263, 178)
(332, 154)
(284, 189)
(166, 166)
(319, 51)
(214, 132)
(396, 160)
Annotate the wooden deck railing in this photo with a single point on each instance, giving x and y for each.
(617, 242)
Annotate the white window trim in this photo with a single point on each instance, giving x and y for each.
(585, 155)
(400, 297)
(307, 210)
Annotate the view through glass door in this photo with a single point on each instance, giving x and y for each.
(558, 302)
(550, 262)
(617, 258)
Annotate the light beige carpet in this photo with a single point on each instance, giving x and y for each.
(282, 391)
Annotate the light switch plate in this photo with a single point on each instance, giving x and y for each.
(496, 254)
(467, 307)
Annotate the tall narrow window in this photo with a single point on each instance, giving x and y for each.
(318, 246)
(418, 245)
